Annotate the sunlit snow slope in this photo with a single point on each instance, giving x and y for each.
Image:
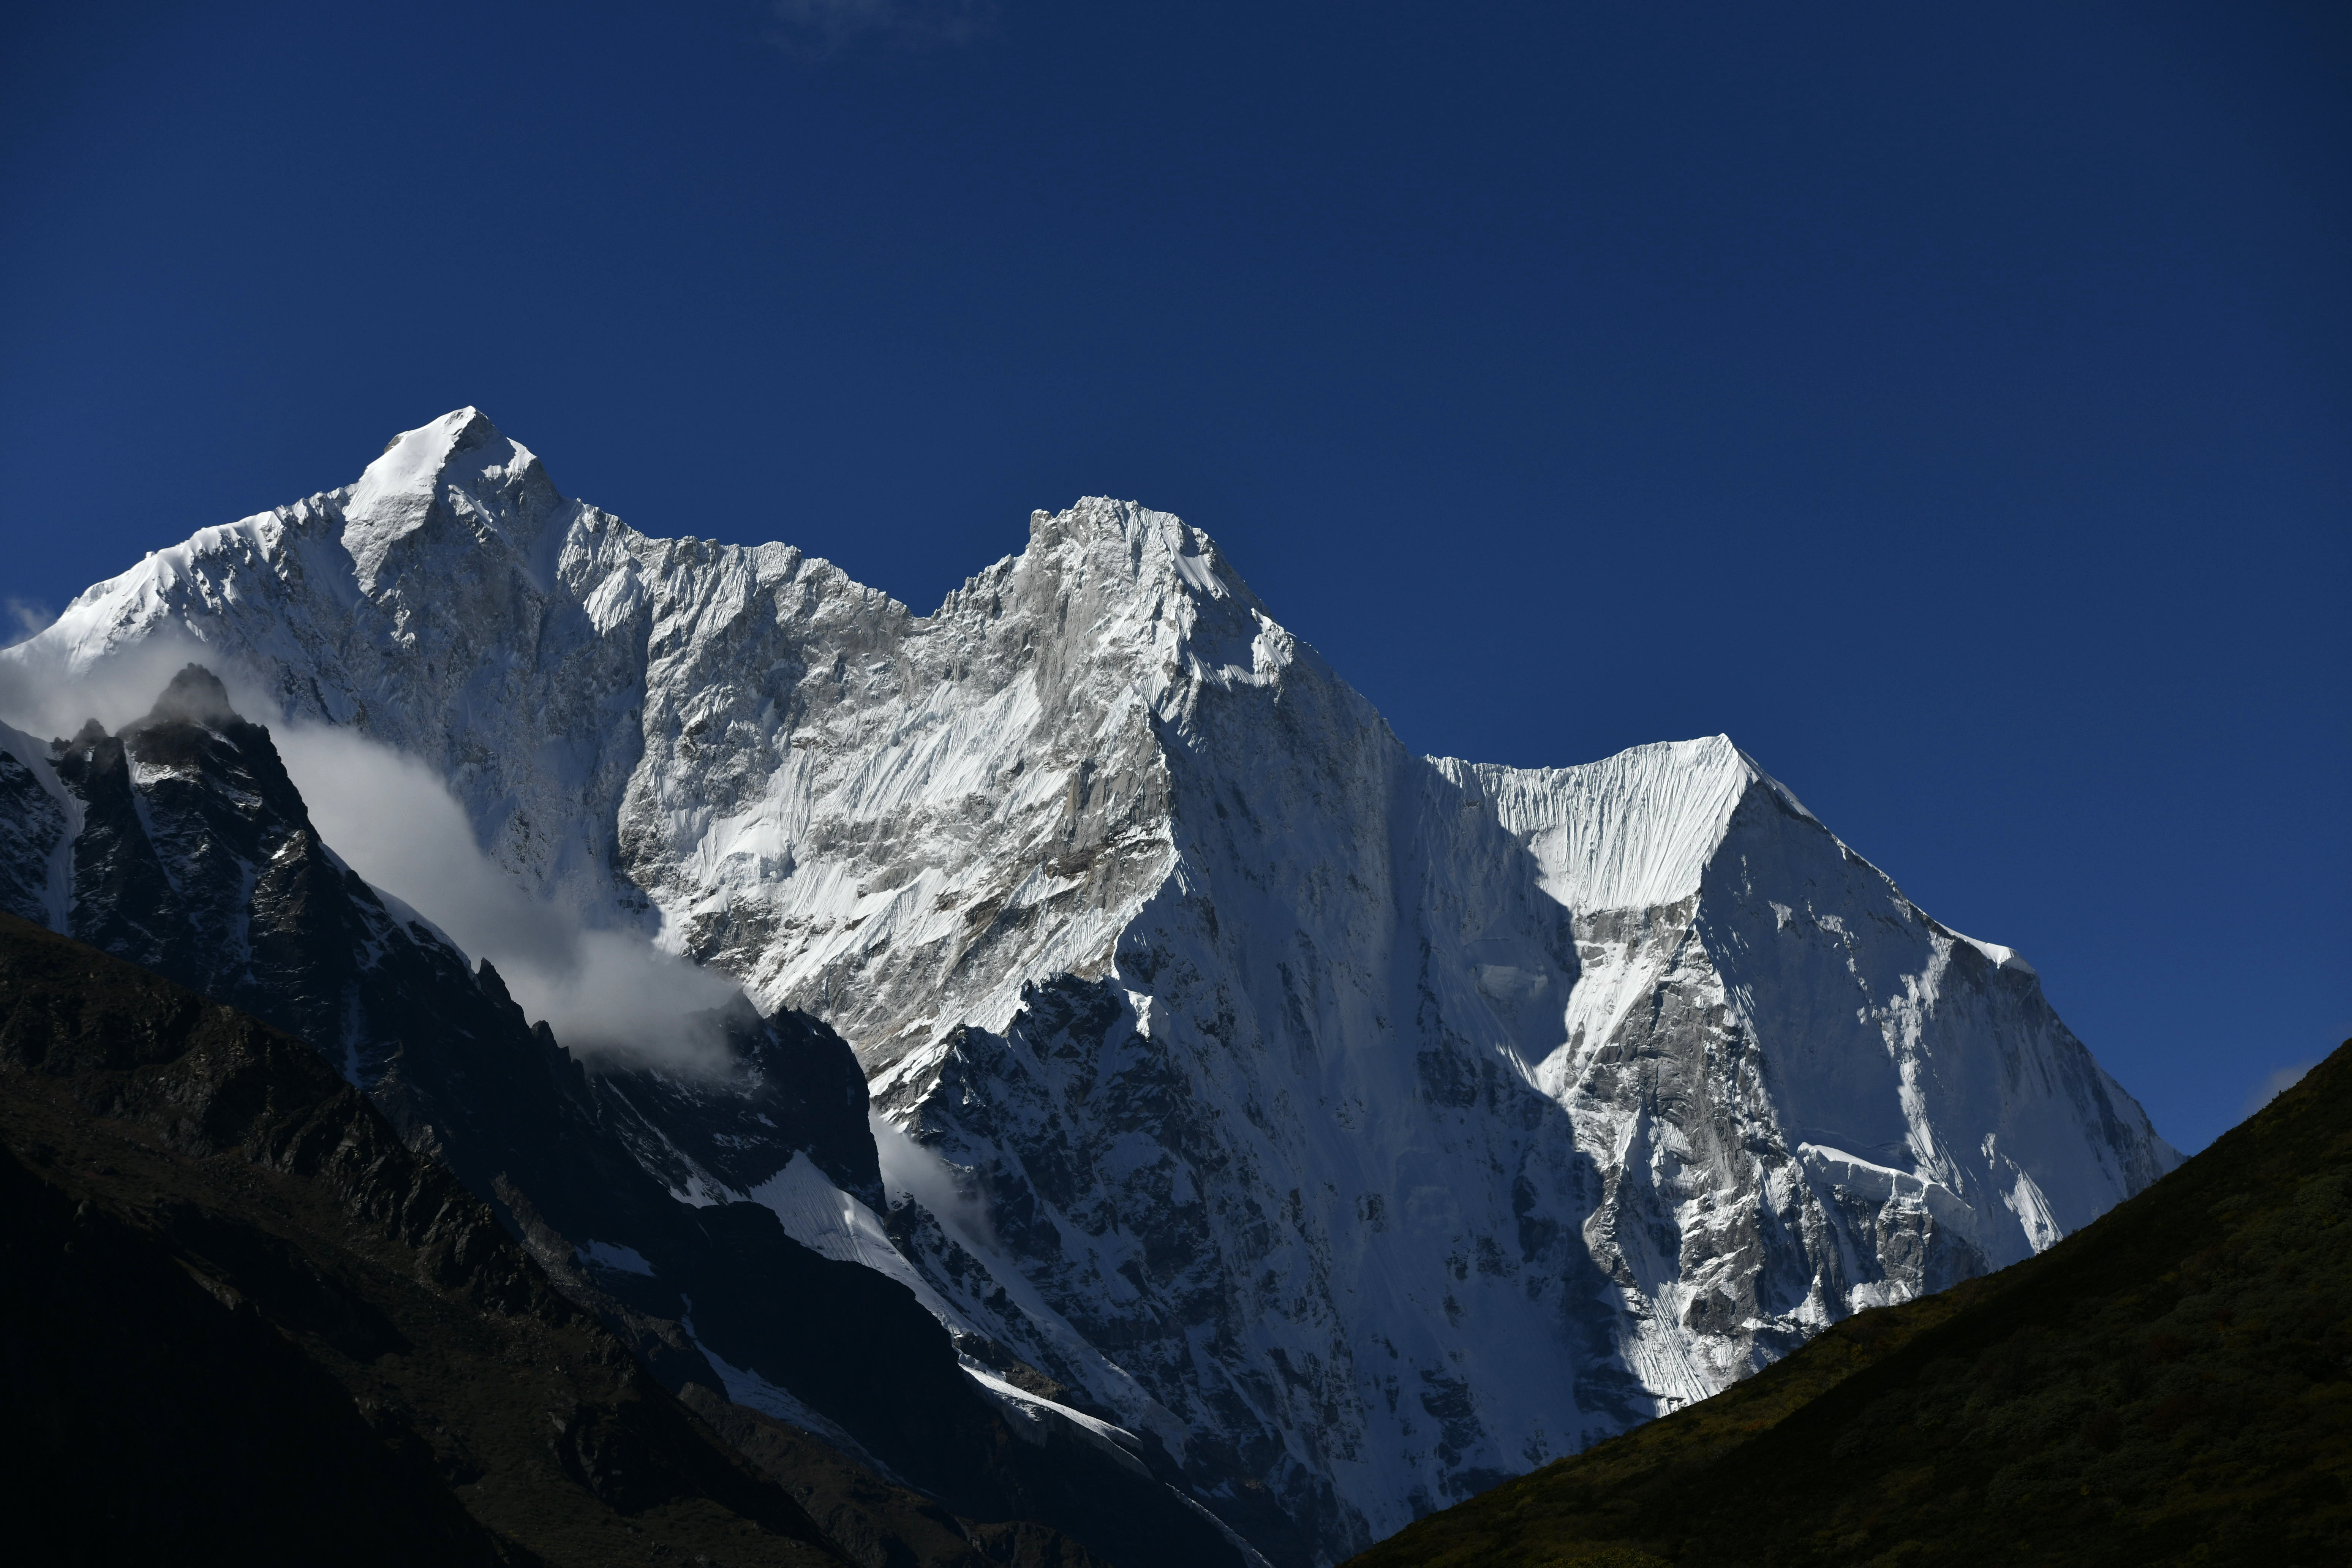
(1368, 1128)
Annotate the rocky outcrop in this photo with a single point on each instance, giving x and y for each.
(195, 856)
(240, 1312)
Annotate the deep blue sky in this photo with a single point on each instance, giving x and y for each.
(1951, 403)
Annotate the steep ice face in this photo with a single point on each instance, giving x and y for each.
(910, 819)
(1362, 1128)
(1634, 831)
(456, 473)
(1434, 1119)
(1855, 1102)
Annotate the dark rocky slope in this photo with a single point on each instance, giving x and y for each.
(195, 858)
(240, 1321)
(147, 1417)
(243, 1321)
(2172, 1383)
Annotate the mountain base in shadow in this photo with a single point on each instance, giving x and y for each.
(2172, 1383)
(240, 1321)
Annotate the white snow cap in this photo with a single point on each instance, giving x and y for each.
(461, 453)
(1630, 832)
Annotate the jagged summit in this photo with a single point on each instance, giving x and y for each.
(428, 446)
(460, 469)
(196, 696)
(1155, 542)
(1362, 1128)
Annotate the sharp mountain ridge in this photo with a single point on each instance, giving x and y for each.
(1354, 1128)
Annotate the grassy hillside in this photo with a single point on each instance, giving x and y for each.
(2172, 1385)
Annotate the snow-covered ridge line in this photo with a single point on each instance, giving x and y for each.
(1631, 831)
(1398, 1123)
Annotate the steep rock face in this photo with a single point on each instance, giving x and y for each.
(1821, 1098)
(2170, 1385)
(38, 820)
(196, 857)
(1362, 1128)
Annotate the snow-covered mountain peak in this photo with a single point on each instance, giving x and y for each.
(1629, 832)
(1152, 548)
(459, 467)
(1367, 1127)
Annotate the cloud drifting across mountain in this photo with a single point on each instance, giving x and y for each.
(46, 693)
(913, 1171)
(605, 993)
(608, 993)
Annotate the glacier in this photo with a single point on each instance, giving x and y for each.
(1365, 1128)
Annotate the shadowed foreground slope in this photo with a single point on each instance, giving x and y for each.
(2173, 1383)
(192, 855)
(239, 1320)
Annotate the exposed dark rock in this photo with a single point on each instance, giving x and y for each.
(242, 1320)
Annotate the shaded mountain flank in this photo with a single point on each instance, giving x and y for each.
(242, 1320)
(187, 823)
(2172, 1383)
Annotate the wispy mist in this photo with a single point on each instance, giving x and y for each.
(608, 993)
(22, 618)
(2273, 1084)
(912, 1170)
(44, 693)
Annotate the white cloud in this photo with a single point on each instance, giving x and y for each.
(22, 618)
(43, 695)
(606, 993)
(951, 1195)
